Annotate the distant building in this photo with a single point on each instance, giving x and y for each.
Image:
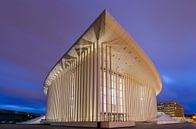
(192, 117)
(12, 117)
(172, 109)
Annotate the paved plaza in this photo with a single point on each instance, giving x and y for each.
(146, 126)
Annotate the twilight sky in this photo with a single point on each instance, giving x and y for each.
(34, 34)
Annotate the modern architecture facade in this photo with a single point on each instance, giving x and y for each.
(172, 109)
(104, 76)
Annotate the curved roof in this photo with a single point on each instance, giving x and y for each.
(106, 30)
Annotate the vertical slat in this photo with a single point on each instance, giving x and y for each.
(129, 88)
(110, 68)
(132, 96)
(102, 80)
(76, 89)
(80, 85)
(106, 81)
(87, 84)
(98, 83)
(90, 83)
(93, 93)
(70, 93)
(84, 87)
(117, 85)
(68, 97)
(126, 99)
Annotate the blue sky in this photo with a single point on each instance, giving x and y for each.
(34, 34)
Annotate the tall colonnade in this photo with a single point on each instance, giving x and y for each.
(104, 76)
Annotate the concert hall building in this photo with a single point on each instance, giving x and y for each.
(104, 76)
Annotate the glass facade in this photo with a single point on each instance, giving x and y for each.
(115, 104)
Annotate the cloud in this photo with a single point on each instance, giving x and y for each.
(23, 108)
(21, 104)
(166, 79)
(19, 90)
(17, 77)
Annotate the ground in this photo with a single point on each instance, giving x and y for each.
(146, 126)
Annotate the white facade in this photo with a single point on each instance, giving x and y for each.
(104, 76)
